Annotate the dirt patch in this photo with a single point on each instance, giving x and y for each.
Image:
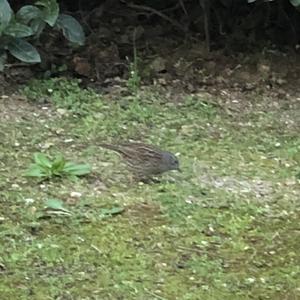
(144, 210)
(232, 184)
(16, 108)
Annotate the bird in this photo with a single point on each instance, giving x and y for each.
(144, 161)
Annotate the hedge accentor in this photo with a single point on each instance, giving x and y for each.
(144, 160)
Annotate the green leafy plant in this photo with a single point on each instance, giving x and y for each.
(134, 79)
(30, 21)
(45, 168)
(56, 206)
(109, 212)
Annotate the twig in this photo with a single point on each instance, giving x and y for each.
(192, 249)
(171, 8)
(156, 12)
(206, 10)
(154, 295)
(18, 65)
(96, 248)
(183, 7)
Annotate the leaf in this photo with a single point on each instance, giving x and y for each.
(77, 169)
(37, 26)
(23, 51)
(18, 30)
(107, 212)
(42, 160)
(71, 29)
(50, 11)
(35, 171)
(295, 2)
(28, 12)
(58, 165)
(5, 14)
(55, 204)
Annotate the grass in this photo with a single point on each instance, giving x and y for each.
(226, 228)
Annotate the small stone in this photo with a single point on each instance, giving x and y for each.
(75, 194)
(250, 280)
(29, 200)
(68, 140)
(62, 111)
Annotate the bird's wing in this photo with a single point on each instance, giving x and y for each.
(124, 149)
(110, 147)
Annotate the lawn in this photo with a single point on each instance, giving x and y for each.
(227, 227)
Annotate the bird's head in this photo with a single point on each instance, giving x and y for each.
(171, 161)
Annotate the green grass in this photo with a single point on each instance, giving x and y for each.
(225, 228)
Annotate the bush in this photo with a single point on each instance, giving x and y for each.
(29, 22)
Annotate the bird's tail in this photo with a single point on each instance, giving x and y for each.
(121, 149)
(110, 147)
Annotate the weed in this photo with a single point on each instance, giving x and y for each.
(134, 79)
(45, 168)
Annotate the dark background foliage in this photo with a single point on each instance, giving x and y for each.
(209, 35)
(228, 20)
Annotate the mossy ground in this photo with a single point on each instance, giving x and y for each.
(225, 228)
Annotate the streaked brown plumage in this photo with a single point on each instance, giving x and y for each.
(145, 160)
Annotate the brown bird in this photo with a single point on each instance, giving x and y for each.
(145, 161)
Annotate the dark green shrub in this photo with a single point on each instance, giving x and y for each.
(29, 22)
